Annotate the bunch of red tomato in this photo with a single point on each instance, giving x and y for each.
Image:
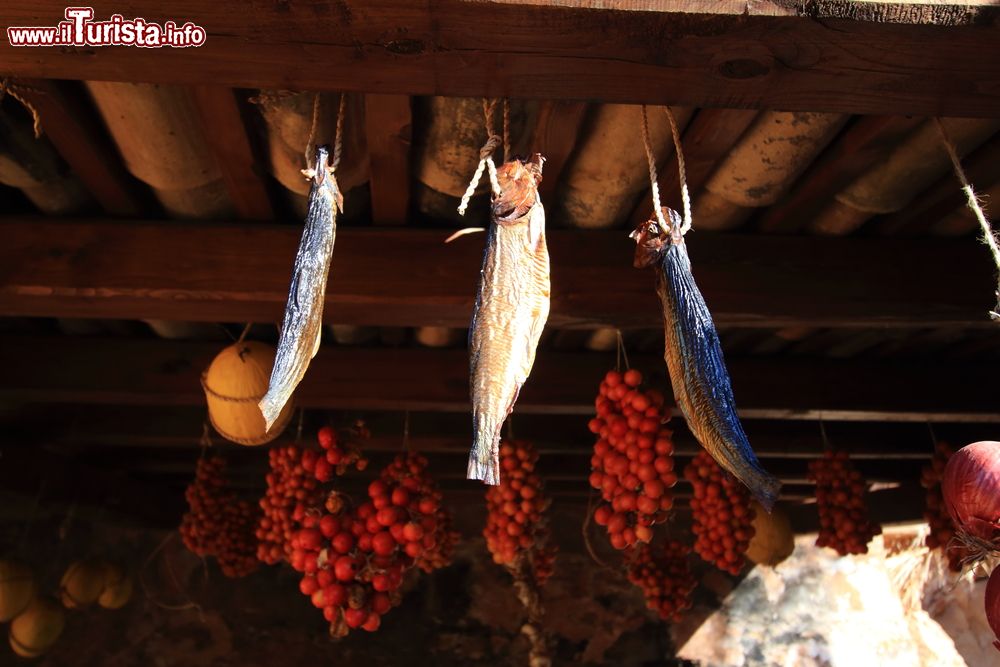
(840, 498)
(217, 522)
(516, 527)
(664, 576)
(353, 559)
(632, 465)
(722, 517)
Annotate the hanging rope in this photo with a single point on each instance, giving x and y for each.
(485, 159)
(972, 201)
(653, 185)
(507, 153)
(681, 170)
(311, 143)
(16, 90)
(338, 136)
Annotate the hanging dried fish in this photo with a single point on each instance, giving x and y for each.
(302, 326)
(511, 308)
(694, 357)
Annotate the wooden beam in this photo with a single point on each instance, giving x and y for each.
(78, 135)
(145, 428)
(388, 128)
(837, 56)
(159, 372)
(706, 140)
(555, 136)
(409, 277)
(226, 134)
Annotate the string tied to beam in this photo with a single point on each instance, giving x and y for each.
(485, 158)
(972, 201)
(681, 172)
(18, 91)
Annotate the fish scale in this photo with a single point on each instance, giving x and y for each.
(511, 308)
(694, 359)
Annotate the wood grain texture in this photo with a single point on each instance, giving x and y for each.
(410, 277)
(159, 372)
(388, 127)
(817, 56)
(226, 134)
(76, 132)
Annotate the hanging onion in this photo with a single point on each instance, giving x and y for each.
(971, 489)
(993, 604)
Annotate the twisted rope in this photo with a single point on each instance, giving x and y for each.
(485, 159)
(681, 170)
(653, 185)
(7, 87)
(338, 137)
(972, 201)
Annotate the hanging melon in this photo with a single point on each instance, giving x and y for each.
(773, 540)
(83, 583)
(234, 383)
(17, 587)
(117, 590)
(37, 628)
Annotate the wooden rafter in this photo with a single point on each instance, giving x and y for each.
(226, 134)
(77, 134)
(388, 126)
(840, 56)
(159, 372)
(409, 277)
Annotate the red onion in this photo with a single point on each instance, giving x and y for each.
(993, 604)
(971, 489)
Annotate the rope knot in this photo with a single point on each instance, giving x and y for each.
(491, 145)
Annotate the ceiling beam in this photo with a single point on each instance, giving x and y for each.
(161, 372)
(217, 272)
(226, 135)
(69, 121)
(837, 56)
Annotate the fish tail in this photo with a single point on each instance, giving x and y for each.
(763, 486)
(484, 459)
(271, 408)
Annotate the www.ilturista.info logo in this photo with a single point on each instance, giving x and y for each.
(79, 29)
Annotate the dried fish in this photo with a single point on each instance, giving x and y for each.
(511, 308)
(303, 323)
(694, 357)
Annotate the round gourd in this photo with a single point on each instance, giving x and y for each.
(118, 589)
(83, 583)
(234, 383)
(773, 540)
(17, 587)
(36, 629)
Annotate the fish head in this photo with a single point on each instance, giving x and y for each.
(319, 170)
(651, 240)
(518, 181)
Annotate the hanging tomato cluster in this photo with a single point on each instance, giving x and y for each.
(722, 515)
(942, 530)
(665, 577)
(632, 465)
(218, 523)
(840, 498)
(293, 486)
(516, 527)
(291, 490)
(353, 562)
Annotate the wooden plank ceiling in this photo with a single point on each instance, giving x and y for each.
(891, 57)
(875, 334)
